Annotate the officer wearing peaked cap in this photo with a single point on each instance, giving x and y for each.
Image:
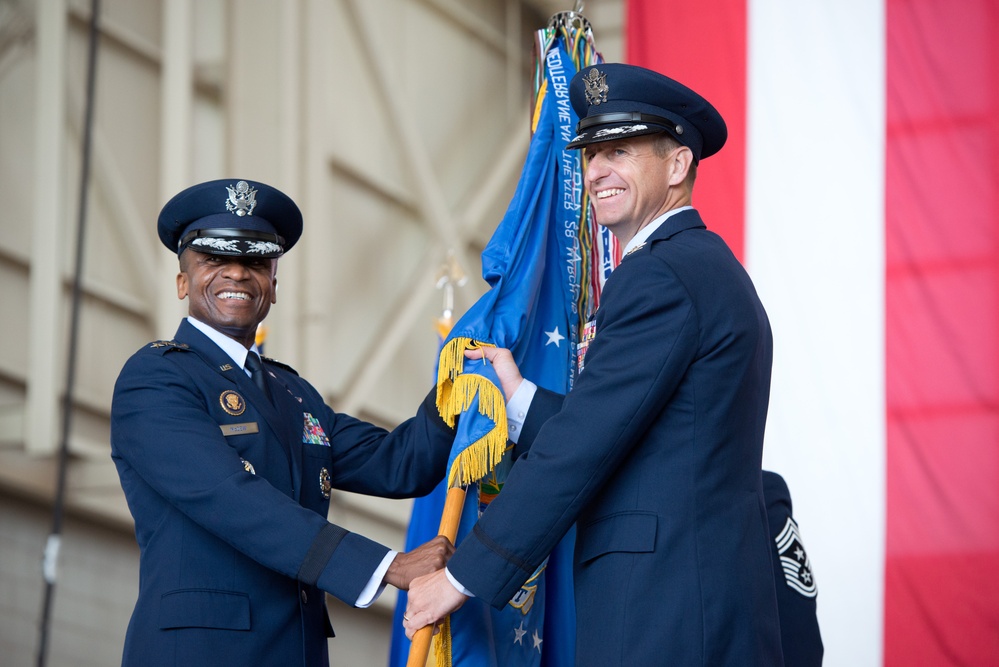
(655, 455)
(615, 101)
(229, 478)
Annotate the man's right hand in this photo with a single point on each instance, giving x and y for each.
(424, 559)
(504, 365)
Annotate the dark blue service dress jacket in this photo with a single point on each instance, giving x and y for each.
(656, 456)
(230, 494)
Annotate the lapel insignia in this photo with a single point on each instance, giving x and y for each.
(232, 402)
(242, 199)
(227, 367)
(325, 485)
(248, 467)
(596, 87)
(794, 560)
(314, 433)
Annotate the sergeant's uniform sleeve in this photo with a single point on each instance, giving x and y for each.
(645, 325)
(801, 639)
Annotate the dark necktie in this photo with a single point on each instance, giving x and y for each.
(257, 373)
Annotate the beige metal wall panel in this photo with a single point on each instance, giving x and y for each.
(99, 580)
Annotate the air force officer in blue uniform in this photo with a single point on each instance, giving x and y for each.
(656, 452)
(228, 478)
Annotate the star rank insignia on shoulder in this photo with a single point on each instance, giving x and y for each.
(633, 250)
(169, 343)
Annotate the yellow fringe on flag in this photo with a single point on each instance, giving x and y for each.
(455, 393)
(442, 644)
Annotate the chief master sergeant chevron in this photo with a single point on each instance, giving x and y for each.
(229, 480)
(656, 452)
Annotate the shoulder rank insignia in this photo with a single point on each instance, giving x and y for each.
(636, 248)
(232, 403)
(169, 343)
(279, 364)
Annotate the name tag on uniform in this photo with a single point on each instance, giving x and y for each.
(239, 429)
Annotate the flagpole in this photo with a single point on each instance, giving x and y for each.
(450, 518)
(575, 29)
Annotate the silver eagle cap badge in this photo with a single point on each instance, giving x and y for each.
(596, 87)
(242, 199)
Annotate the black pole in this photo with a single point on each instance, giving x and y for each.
(53, 542)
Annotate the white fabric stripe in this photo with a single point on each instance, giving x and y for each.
(815, 248)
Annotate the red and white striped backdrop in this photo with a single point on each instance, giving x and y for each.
(860, 188)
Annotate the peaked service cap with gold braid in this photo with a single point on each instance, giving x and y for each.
(232, 217)
(618, 101)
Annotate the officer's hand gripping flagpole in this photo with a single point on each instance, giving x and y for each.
(450, 518)
(531, 288)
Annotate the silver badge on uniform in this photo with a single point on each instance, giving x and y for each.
(794, 560)
(325, 485)
(595, 86)
(242, 199)
(248, 467)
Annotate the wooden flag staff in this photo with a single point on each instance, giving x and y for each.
(450, 518)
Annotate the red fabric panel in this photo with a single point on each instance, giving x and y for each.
(703, 46)
(942, 333)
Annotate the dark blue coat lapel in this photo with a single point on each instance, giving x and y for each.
(289, 406)
(277, 415)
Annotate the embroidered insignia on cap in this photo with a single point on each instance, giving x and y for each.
(248, 467)
(242, 199)
(325, 485)
(262, 247)
(596, 88)
(619, 130)
(227, 245)
(794, 560)
(314, 433)
(232, 402)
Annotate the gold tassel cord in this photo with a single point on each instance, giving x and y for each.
(442, 644)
